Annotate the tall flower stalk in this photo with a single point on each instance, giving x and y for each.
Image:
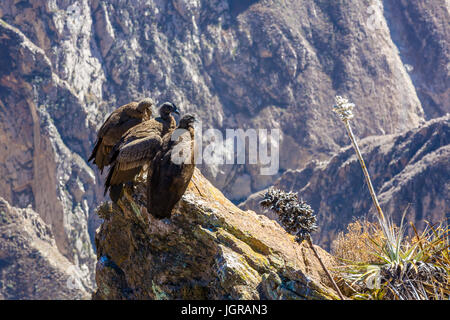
(344, 109)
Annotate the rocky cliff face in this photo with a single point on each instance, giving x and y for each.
(409, 172)
(31, 266)
(37, 167)
(420, 31)
(250, 64)
(209, 249)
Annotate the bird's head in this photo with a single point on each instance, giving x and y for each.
(145, 106)
(187, 121)
(167, 108)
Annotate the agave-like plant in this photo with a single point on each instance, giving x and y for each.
(409, 270)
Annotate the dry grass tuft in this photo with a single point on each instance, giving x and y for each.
(355, 245)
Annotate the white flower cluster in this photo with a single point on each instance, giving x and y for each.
(343, 108)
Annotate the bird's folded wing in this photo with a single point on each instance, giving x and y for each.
(115, 133)
(137, 152)
(109, 122)
(141, 131)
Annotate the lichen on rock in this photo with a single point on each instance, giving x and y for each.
(209, 249)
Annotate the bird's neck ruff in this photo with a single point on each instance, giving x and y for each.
(166, 115)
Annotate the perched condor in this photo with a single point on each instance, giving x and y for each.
(137, 147)
(172, 169)
(122, 119)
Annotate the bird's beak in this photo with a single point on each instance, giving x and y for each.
(175, 110)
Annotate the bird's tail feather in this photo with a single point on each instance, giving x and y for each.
(94, 151)
(108, 178)
(115, 192)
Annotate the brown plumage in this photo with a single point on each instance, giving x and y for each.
(122, 119)
(172, 170)
(137, 147)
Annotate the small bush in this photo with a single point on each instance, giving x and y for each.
(296, 216)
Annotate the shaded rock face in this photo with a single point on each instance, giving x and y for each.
(209, 249)
(31, 266)
(410, 171)
(420, 30)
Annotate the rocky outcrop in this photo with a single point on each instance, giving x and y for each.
(31, 266)
(410, 172)
(209, 249)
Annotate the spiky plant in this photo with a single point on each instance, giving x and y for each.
(298, 218)
(412, 269)
(408, 271)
